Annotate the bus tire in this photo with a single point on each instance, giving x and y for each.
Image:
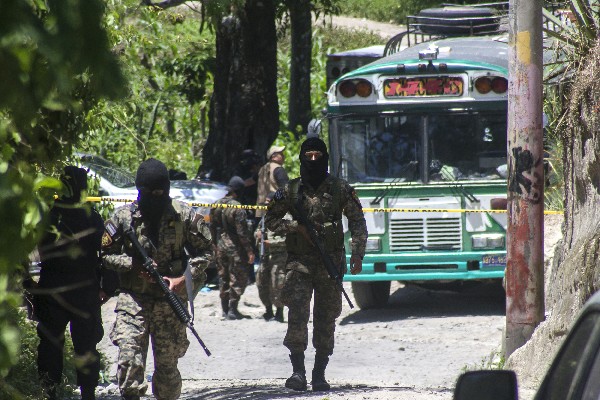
(371, 294)
(453, 23)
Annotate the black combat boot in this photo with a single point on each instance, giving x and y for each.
(298, 379)
(233, 312)
(225, 307)
(269, 314)
(279, 314)
(88, 393)
(319, 384)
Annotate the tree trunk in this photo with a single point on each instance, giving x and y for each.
(244, 112)
(299, 113)
(574, 274)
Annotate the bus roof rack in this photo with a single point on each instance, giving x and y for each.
(450, 20)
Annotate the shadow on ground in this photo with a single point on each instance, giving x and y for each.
(265, 392)
(411, 302)
(246, 390)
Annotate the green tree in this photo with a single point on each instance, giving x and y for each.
(55, 64)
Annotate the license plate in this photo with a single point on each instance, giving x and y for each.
(496, 260)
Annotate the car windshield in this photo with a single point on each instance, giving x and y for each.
(117, 176)
(466, 146)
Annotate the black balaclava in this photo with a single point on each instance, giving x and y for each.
(75, 181)
(313, 172)
(152, 175)
(236, 185)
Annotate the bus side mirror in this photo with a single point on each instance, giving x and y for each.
(314, 128)
(487, 385)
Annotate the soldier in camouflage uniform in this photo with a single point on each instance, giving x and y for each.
(271, 273)
(163, 227)
(232, 248)
(323, 199)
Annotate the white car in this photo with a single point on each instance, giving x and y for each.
(117, 182)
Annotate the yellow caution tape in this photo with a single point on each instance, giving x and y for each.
(366, 209)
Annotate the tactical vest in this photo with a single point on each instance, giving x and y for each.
(131, 282)
(332, 235)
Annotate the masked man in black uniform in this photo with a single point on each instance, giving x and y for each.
(69, 288)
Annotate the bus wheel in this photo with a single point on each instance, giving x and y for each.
(371, 294)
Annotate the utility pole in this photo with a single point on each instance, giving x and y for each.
(525, 245)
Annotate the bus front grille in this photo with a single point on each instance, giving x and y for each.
(425, 234)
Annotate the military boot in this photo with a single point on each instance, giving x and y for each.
(279, 314)
(298, 379)
(319, 384)
(269, 314)
(233, 312)
(225, 307)
(88, 393)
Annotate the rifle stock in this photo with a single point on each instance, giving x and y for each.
(329, 265)
(175, 302)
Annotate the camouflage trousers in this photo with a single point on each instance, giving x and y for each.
(139, 319)
(270, 279)
(297, 293)
(233, 274)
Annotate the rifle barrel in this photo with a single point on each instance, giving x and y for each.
(175, 302)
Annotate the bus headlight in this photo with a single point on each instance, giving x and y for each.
(495, 241)
(373, 244)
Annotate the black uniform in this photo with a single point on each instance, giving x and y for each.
(70, 271)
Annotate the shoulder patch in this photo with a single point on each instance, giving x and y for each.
(110, 231)
(279, 195)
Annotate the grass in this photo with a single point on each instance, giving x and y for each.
(495, 360)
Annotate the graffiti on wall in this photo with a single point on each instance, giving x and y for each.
(525, 180)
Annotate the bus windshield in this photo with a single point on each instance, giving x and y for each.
(421, 147)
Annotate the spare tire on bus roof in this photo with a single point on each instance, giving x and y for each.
(458, 20)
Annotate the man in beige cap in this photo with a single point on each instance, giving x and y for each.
(271, 176)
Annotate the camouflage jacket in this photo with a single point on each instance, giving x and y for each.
(274, 243)
(319, 208)
(229, 226)
(179, 227)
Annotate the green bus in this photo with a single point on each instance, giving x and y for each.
(421, 134)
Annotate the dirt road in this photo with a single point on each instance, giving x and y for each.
(413, 349)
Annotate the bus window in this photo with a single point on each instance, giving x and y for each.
(466, 146)
(353, 150)
(380, 149)
(394, 148)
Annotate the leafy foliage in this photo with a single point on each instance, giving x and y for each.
(575, 34)
(55, 64)
(168, 64)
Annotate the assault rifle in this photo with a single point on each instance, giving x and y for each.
(333, 272)
(174, 301)
(263, 233)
